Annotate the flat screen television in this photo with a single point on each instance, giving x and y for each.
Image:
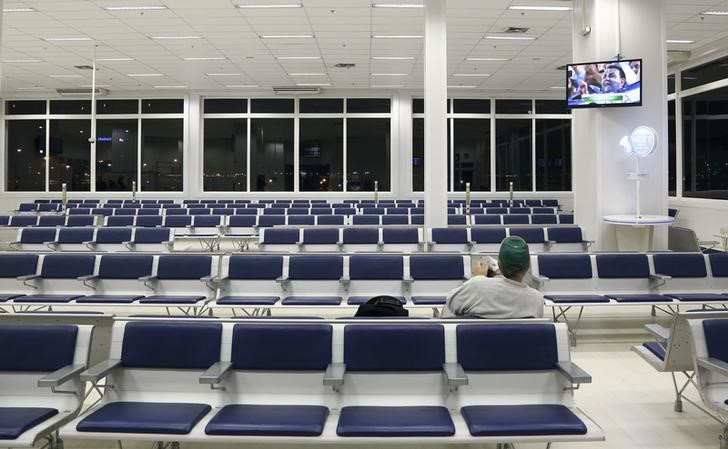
(604, 84)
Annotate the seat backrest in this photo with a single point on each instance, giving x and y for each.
(75, 235)
(622, 266)
(373, 211)
(51, 220)
(718, 264)
(300, 220)
(564, 234)
(175, 345)
(14, 265)
(246, 211)
(79, 220)
(151, 235)
(716, 334)
(566, 219)
(276, 209)
(395, 219)
(360, 235)
(449, 235)
(487, 235)
(113, 235)
(298, 211)
(243, 221)
(184, 267)
(315, 267)
(365, 220)
(174, 221)
(149, 221)
(507, 347)
(125, 266)
(280, 236)
(321, 211)
(208, 221)
(424, 267)
(149, 211)
(496, 210)
(487, 219)
(37, 347)
(268, 221)
(123, 220)
(565, 266)
(23, 220)
(457, 219)
(124, 211)
(393, 347)
(542, 210)
(320, 236)
(255, 267)
(281, 347)
(330, 219)
(543, 219)
(366, 266)
(37, 235)
(530, 235)
(67, 266)
(199, 211)
(688, 265)
(510, 219)
(400, 235)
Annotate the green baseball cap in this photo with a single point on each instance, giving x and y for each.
(514, 253)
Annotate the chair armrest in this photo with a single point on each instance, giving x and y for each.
(346, 280)
(660, 277)
(61, 376)
(148, 278)
(207, 279)
(573, 373)
(549, 243)
(28, 277)
(334, 375)
(215, 373)
(538, 281)
(657, 331)
(715, 365)
(407, 280)
(454, 375)
(88, 277)
(282, 280)
(52, 242)
(100, 371)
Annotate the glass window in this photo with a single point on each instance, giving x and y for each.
(163, 106)
(418, 105)
(553, 155)
(371, 105)
(116, 154)
(513, 106)
(162, 152)
(69, 155)
(368, 154)
(26, 155)
(418, 154)
(70, 107)
(226, 105)
(671, 84)
(226, 155)
(551, 107)
(472, 154)
(705, 145)
(271, 105)
(465, 106)
(671, 149)
(117, 106)
(704, 74)
(321, 156)
(321, 105)
(25, 107)
(513, 154)
(271, 155)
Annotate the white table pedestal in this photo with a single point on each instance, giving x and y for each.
(635, 233)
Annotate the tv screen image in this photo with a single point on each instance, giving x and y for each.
(605, 83)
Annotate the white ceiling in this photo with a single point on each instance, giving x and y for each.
(343, 31)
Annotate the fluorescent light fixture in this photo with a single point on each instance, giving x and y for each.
(388, 86)
(472, 74)
(461, 87)
(286, 36)
(207, 58)
(224, 74)
(313, 84)
(714, 13)
(679, 41)
(98, 85)
(273, 5)
(389, 74)
(557, 87)
(143, 75)
(20, 10)
(306, 74)
(175, 37)
(540, 8)
(135, 8)
(65, 76)
(241, 86)
(486, 59)
(21, 61)
(509, 38)
(63, 39)
(285, 58)
(397, 5)
(397, 36)
(170, 87)
(393, 58)
(31, 88)
(113, 59)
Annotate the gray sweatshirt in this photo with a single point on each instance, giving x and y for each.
(496, 297)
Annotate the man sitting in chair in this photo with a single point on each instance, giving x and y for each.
(502, 296)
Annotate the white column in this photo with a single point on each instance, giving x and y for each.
(435, 113)
(634, 29)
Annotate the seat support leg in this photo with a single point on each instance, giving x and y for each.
(723, 438)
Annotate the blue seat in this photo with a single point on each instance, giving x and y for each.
(265, 267)
(365, 220)
(564, 234)
(358, 300)
(426, 267)
(64, 266)
(566, 219)
(281, 236)
(175, 212)
(103, 211)
(269, 420)
(428, 300)
(344, 211)
(417, 219)
(522, 420)
(249, 300)
(177, 221)
(373, 211)
(316, 236)
(406, 421)
(125, 266)
(312, 301)
(199, 211)
(75, 235)
(655, 347)
(610, 266)
(716, 334)
(400, 235)
(149, 211)
(646, 297)
(120, 220)
(507, 347)
(564, 266)
(572, 299)
(395, 220)
(298, 211)
(542, 210)
(496, 210)
(14, 421)
(207, 221)
(698, 297)
(281, 347)
(719, 264)
(315, 267)
(307, 220)
(360, 235)
(152, 235)
(37, 235)
(321, 211)
(268, 221)
(45, 299)
(375, 267)
(275, 211)
(677, 265)
(449, 235)
(144, 417)
(108, 299)
(456, 220)
(4, 297)
(530, 235)
(23, 220)
(245, 211)
(487, 235)
(51, 220)
(336, 220)
(183, 267)
(36, 347)
(14, 265)
(544, 219)
(243, 221)
(172, 299)
(394, 347)
(517, 219)
(149, 221)
(79, 220)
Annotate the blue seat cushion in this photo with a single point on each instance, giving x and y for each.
(171, 299)
(645, 297)
(521, 420)
(144, 417)
(249, 300)
(312, 301)
(16, 420)
(427, 300)
(357, 300)
(269, 420)
(697, 297)
(412, 421)
(656, 348)
(8, 296)
(110, 299)
(63, 298)
(567, 299)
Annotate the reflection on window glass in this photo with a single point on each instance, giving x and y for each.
(26, 155)
(116, 155)
(321, 156)
(418, 154)
(513, 106)
(25, 107)
(671, 148)
(163, 106)
(225, 152)
(704, 74)
(271, 105)
(70, 107)
(321, 105)
(226, 105)
(271, 155)
(368, 154)
(553, 155)
(513, 154)
(705, 148)
(162, 152)
(472, 154)
(69, 155)
(370, 105)
(117, 106)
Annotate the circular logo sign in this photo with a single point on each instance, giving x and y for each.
(643, 141)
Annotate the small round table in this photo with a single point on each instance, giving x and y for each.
(635, 233)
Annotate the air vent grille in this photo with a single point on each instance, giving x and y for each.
(516, 30)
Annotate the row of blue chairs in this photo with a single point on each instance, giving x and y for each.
(94, 239)
(233, 210)
(473, 202)
(20, 221)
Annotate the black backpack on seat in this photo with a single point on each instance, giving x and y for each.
(382, 306)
